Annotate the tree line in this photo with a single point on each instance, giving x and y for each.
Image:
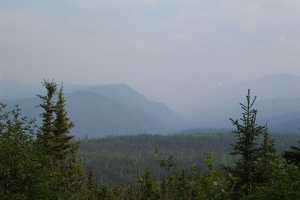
(42, 162)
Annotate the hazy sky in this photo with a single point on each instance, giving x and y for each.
(152, 45)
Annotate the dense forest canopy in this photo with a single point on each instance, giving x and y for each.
(127, 156)
(46, 162)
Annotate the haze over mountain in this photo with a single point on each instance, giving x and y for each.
(114, 109)
(201, 93)
(278, 98)
(118, 109)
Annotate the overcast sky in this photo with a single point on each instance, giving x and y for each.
(151, 45)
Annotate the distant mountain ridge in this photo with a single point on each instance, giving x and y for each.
(278, 99)
(114, 109)
(118, 109)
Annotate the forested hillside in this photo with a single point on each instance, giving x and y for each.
(47, 162)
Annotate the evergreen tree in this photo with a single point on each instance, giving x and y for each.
(265, 161)
(150, 189)
(56, 125)
(293, 155)
(248, 168)
(65, 148)
(54, 134)
(47, 128)
(91, 181)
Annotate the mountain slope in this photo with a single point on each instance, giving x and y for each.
(130, 98)
(110, 109)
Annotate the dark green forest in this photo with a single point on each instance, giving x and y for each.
(46, 162)
(120, 158)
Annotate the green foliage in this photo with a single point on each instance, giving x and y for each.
(293, 155)
(22, 175)
(39, 165)
(180, 184)
(252, 168)
(213, 183)
(120, 158)
(149, 187)
(284, 183)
